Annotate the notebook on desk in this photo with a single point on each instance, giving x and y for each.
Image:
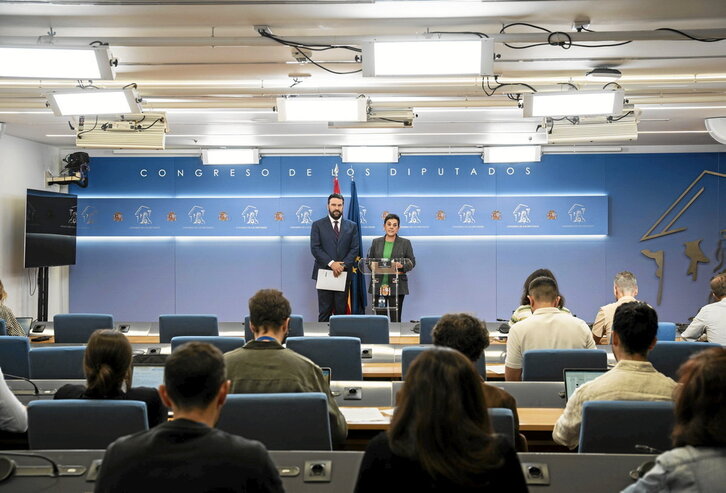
(575, 377)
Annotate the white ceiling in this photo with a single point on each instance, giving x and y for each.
(204, 63)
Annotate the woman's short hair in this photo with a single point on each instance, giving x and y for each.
(441, 419)
(701, 401)
(107, 363)
(534, 275)
(392, 216)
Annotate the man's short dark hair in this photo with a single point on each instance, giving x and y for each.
(335, 196)
(462, 332)
(718, 286)
(636, 324)
(193, 374)
(544, 289)
(392, 216)
(269, 309)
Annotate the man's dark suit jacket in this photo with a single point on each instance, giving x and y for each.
(184, 455)
(325, 247)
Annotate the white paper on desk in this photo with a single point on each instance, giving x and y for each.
(498, 369)
(363, 415)
(326, 280)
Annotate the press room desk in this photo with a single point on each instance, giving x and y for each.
(154, 339)
(530, 419)
(393, 370)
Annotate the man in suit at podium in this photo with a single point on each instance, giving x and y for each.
(334, 244)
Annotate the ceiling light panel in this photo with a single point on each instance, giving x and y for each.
(573, 103)
(428, 58)
(512, 154)
(49, 62)
(94, 102)
(370, 154)
(321, 109)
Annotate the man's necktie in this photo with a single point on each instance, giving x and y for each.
(336, 229)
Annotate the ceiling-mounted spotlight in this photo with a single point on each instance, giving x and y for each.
(604, 74)
(56, 62)
(94, 102)
(717, 128)
(322, 109)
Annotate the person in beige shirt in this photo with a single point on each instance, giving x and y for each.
(632, 379)
(625, 289)
(547, 328)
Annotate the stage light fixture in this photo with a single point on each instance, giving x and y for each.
(573, 103)
(230, 156)
(91, 101)
(512, 154)
(370, 154)
(56, 62)
(322, 109)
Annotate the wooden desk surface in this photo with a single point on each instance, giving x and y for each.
(530, 419)
(393, 370)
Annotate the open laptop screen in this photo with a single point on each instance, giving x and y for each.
(147, 376)
(25, 323)
(574, 378)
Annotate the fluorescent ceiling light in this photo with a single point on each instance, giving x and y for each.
(51, 62)
(230, 156)
(370, 154)
(320, 109)
(94, 102)
(717, 128)
(573, 103)
(512, 154)
(428, 57)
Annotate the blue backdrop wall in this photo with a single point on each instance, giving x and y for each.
(169, 235)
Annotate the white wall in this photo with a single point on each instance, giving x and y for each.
(23, 164)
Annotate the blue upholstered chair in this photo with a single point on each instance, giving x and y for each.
(616, 427)
(546, 365)
(668, 356)
(340, 354)
(503, 422)
(59, 362)
(666, 331)
(409, 353)
(78, 327)
(370, 329)
(186, 325)
(224, 344)
(82, 423)
(427, 325)
(14, 359)
(294, 421)
(3, 328)
(294, 328)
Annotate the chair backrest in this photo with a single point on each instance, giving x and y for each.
(616, 427)
(535, 394)
(427, 324)
(370, 329)
(294, 328)
(186, 325)
(82, 423)
(224, 344)
(78, 327)
(666, 331)
(546, 365)
(410, 353)
(340, 354)
(668, 356)
(294, 421)
(3, 328)
(61, 362)
(14, 359)
(503, 422)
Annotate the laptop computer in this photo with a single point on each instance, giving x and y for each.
(575, 377)
(147, 375)
(25, 323)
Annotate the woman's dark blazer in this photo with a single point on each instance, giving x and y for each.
(401, 249)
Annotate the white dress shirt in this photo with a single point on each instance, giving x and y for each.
(710, 319)
(13, 416)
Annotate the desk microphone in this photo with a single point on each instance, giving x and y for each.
(648, 449)
(35, 387)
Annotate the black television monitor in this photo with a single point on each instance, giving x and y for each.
(50, 228)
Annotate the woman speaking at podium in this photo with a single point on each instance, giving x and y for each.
(392, 246)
